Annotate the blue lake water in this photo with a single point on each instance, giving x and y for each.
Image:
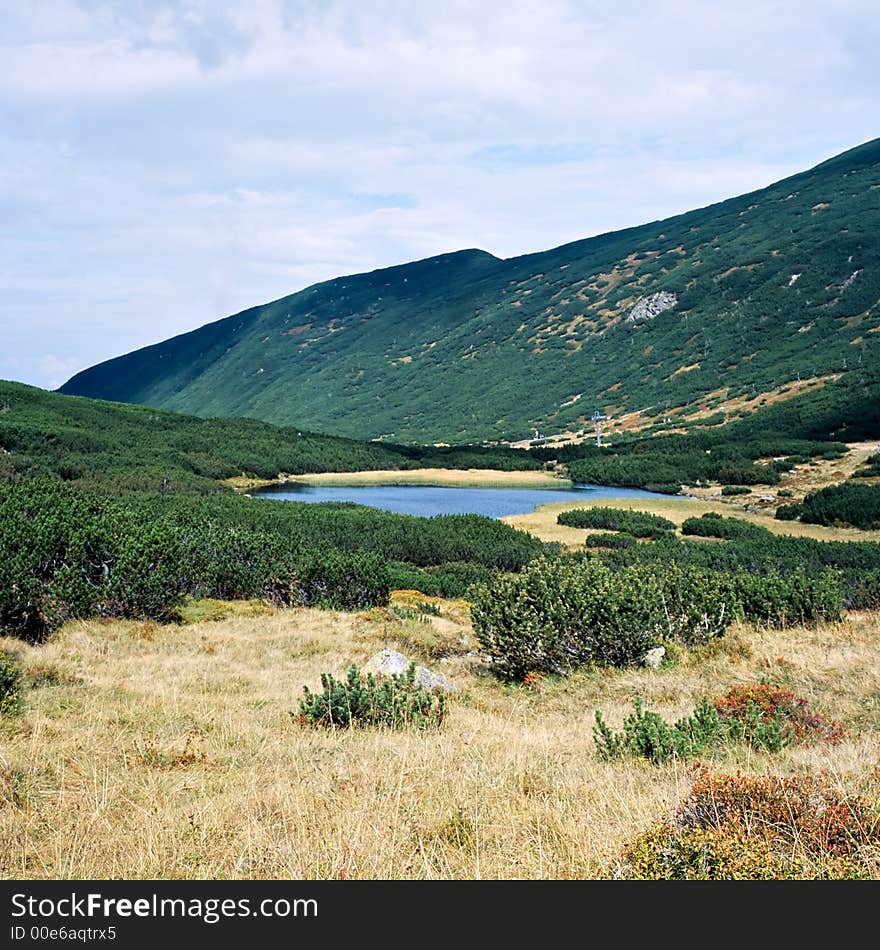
(426, 500)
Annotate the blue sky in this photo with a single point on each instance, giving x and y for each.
(164, 164)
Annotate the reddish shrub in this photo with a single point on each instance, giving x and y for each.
(774, 702)
(760, 826)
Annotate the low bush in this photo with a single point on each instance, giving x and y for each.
(862, 590)
(639, 524)
(397, 701)
(10, 685)
(559, 614)
(756, 827)
(735, 490)
(774, 704)
(564, 612)
(442, 580)
(790, 599)
(648, 735)
(871, 468)
(848, 504)
(712, 525)
(71, 554)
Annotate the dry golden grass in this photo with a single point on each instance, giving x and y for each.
(152, 751)
(542, 521)
(455, 478)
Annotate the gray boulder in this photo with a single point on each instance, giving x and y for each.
(391, 661)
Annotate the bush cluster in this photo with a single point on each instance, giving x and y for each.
(639, 524)
(871, 468)
(759, 827)
(70, 554)
(760, 715)
(850, 566)
(712, 525)
(559, 614)
(396, 701)
(848, 504)
(648, 735)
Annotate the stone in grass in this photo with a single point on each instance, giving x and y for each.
(390, 661)
(653, 658)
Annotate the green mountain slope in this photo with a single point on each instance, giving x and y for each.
(123, 448)
(740, 296)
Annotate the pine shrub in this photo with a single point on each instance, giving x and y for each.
(10, 685)
(397, 701)
(559, 614)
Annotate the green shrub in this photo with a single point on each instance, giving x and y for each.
(735, 490)
(648, 735)
(559, 614)
(334, 580)
(441, 580)
(397, 701)
(713, 525)
(871, 468)
(69, 554)
(639, 524)
(862, 590)
(610, 539)
(785, 600)
(10, 685)
(849, 504)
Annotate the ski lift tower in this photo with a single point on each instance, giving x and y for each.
(598, 417)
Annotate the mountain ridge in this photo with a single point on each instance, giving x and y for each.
(465, 345)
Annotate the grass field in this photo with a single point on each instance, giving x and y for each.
(451, 477)
(169, 752)
(542, 521)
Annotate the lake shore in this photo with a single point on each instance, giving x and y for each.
(543, 525)
(442, 477)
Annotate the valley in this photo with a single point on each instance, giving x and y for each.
(672, 676)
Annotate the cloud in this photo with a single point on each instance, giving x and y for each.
(165, 164)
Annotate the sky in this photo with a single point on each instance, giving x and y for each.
(164, 164)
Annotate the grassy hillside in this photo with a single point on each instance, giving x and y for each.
(733, 299)
(124, 447)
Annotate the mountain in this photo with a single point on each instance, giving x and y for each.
(737, 298)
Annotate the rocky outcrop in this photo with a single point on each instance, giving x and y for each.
(389, 662)
(649, 307)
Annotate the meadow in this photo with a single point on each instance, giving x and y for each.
(170, 751)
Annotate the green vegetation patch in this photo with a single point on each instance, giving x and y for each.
(848, 504)
(562, 613)
(397, 701)
(639, 524)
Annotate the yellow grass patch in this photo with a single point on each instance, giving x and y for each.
(542, 521)
(472, 477)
